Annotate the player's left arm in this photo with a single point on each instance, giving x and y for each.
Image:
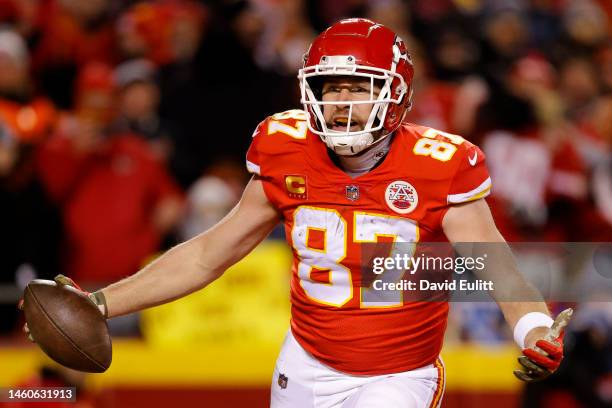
(537, 334)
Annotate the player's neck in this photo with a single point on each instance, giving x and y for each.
(360, 164)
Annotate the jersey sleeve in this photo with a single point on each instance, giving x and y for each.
(471, 180)
(253, 159)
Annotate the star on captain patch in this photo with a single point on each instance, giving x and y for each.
(282, 381)
(352, 192)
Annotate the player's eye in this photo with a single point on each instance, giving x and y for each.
(331, 89)
(359, 89)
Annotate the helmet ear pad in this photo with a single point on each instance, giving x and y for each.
(397, 111)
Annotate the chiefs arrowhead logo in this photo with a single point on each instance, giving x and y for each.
(401, 197)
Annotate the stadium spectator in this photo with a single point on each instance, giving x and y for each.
(585, 25)
(450, 106)
(545, 26)
(138, 104)
(27, 115)
(211, 197)
(30, 224)
(140, 33)
(534, 164)
(73, 33)
(579, 85)
(593, 143)
(506, 38)
(169, 33)
(394, 14)
(162, 31)
(197, 95)
(284, 34)
(117, 198)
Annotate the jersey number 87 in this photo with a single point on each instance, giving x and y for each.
(367, 227)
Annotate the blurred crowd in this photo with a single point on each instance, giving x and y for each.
(123, 124)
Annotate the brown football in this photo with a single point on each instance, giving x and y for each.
(67, 326)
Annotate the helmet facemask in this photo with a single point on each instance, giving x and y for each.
(350, 142)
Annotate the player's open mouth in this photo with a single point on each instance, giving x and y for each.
(339, 125)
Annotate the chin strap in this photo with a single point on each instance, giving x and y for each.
(353, 150)
(348, 145)
(359, 164)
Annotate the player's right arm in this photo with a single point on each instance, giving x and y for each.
(194, 264)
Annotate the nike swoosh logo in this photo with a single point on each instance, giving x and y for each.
(473, 159)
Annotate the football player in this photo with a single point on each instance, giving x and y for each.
(341, 173)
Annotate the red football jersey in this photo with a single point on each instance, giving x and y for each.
(327, 216)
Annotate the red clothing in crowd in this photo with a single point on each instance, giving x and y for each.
(108, 198)
(65, 40)
(436, 106)
(527, 176)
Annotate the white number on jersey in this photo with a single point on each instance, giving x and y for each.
(367, 227)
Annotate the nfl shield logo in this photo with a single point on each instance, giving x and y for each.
(282, 381)
(352, 192)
